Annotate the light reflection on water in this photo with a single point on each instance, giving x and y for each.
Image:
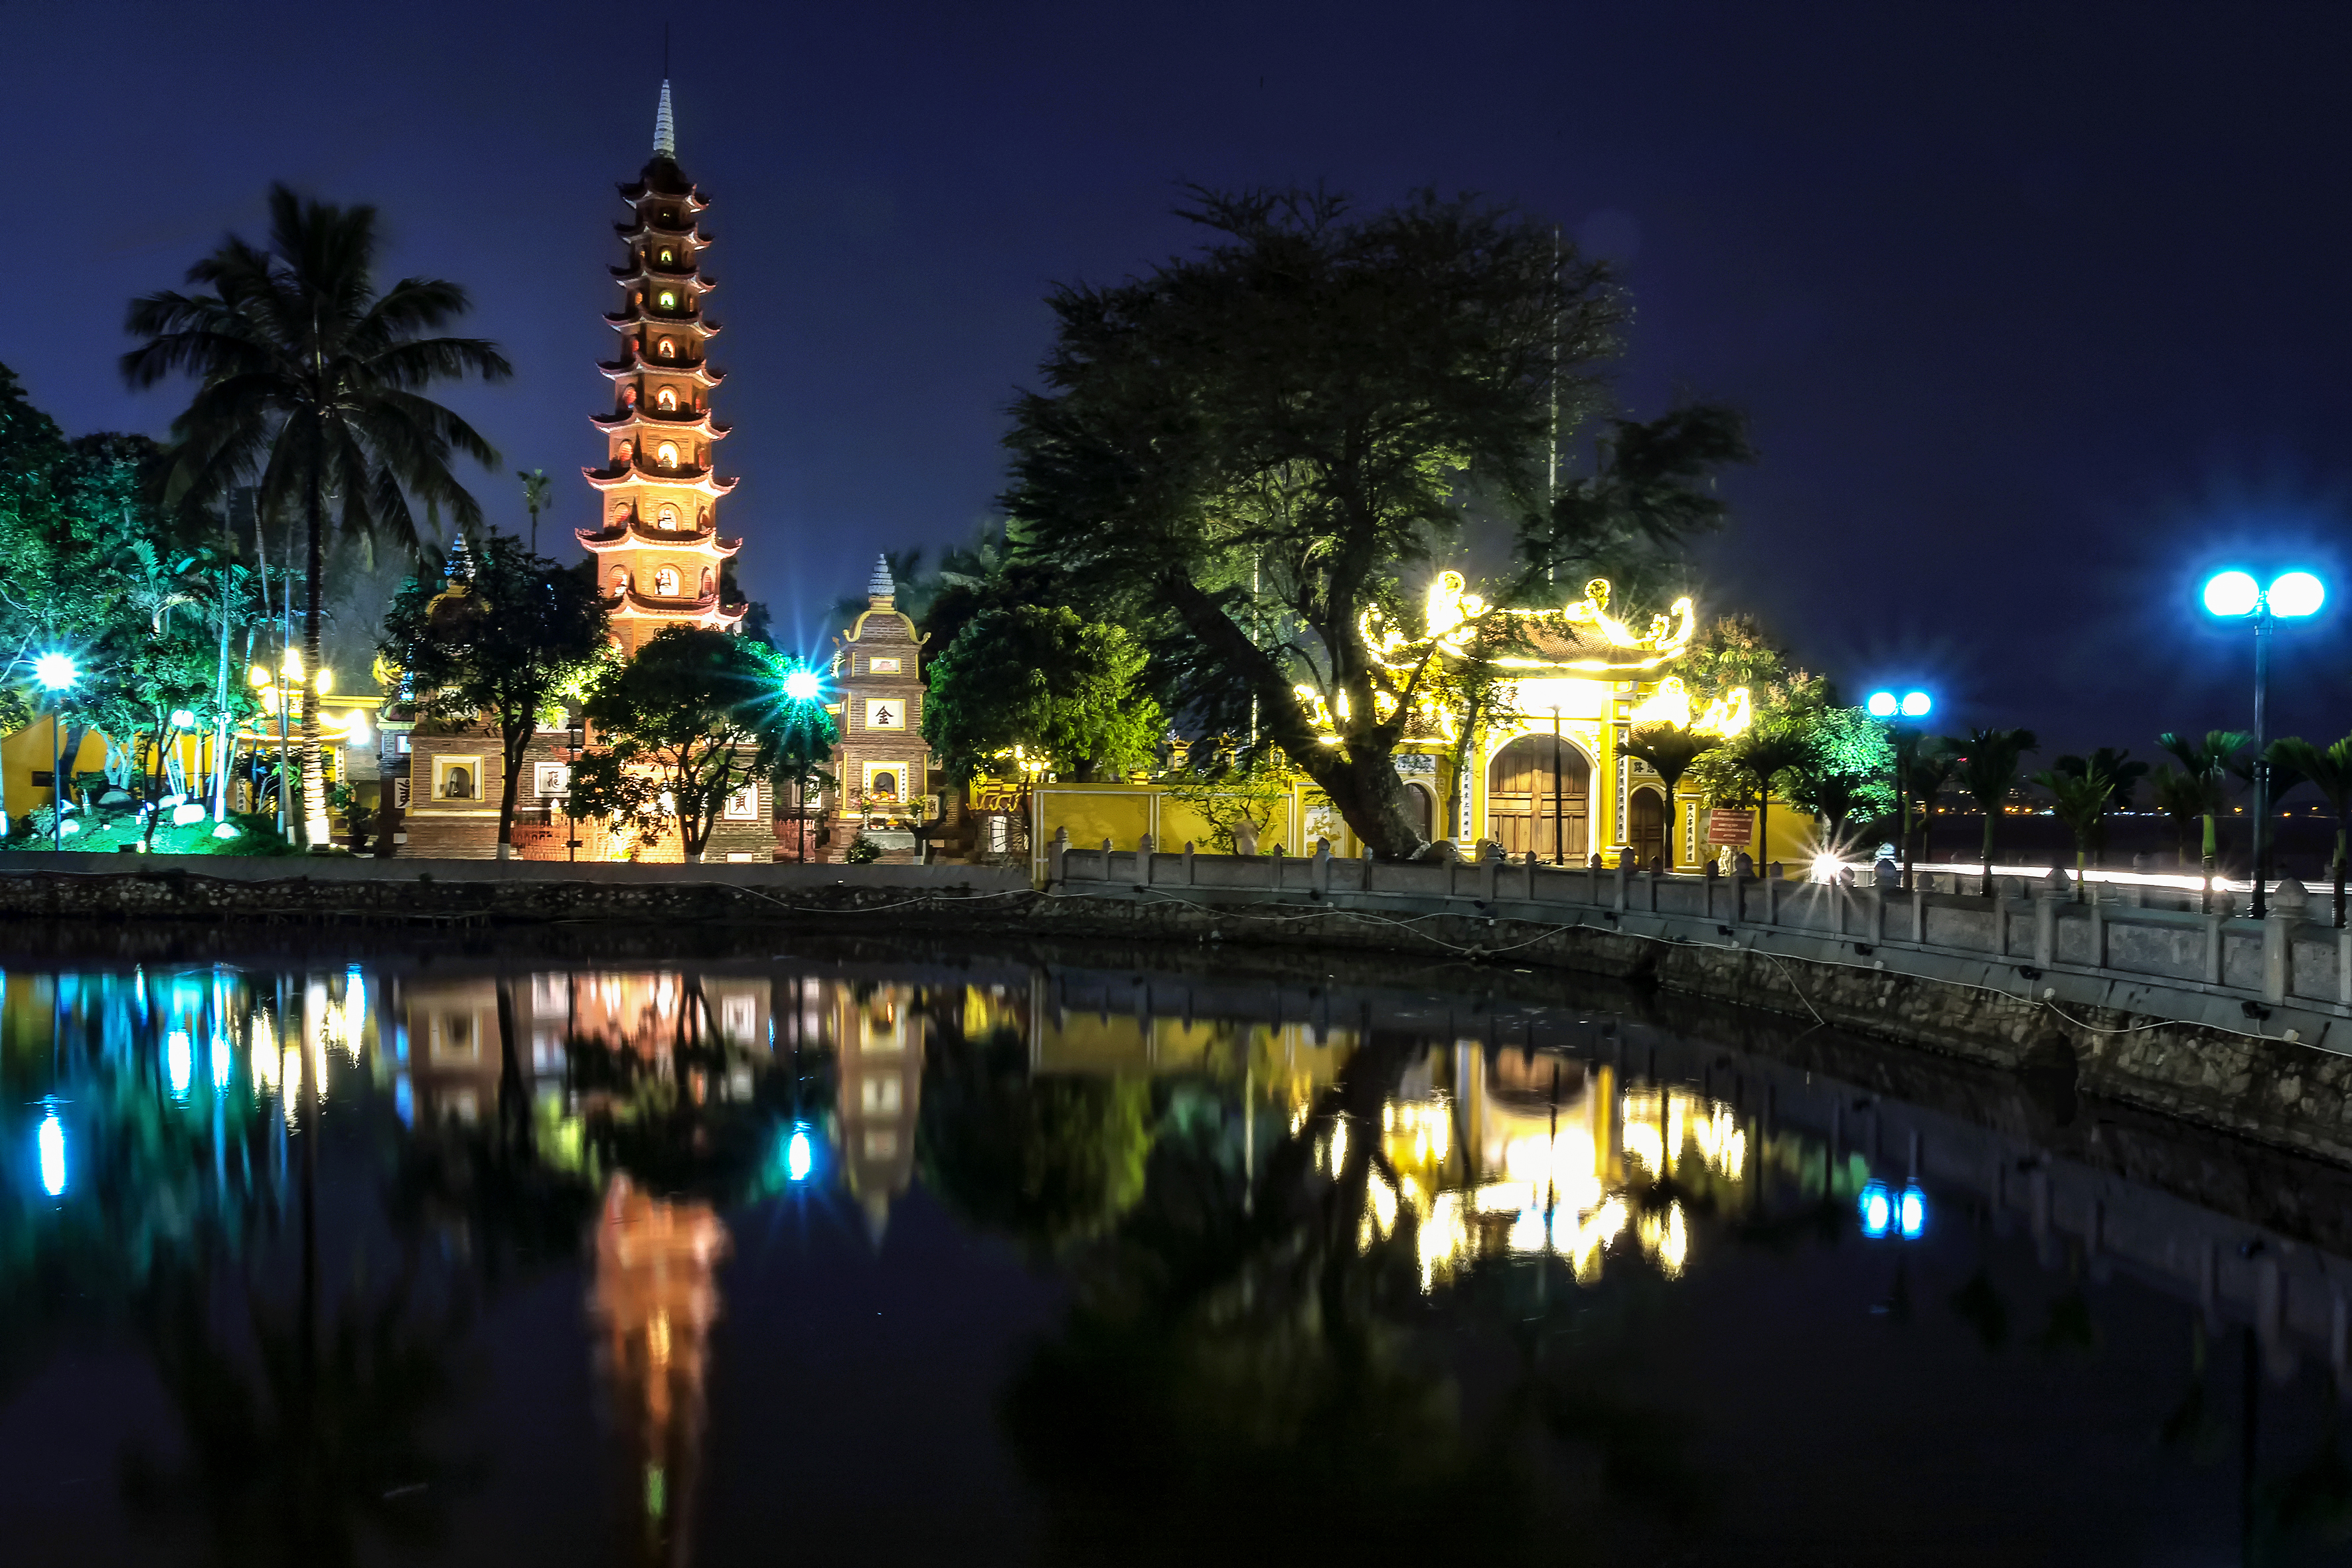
(645, 1125)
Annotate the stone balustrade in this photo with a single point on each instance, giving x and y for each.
(2213, 968)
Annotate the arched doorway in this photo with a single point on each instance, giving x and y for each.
(1423, 807)
(1534, 783)
(1645, 826)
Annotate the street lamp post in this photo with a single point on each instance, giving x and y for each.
(2235, 595)
(55, 672)
(1904, 740)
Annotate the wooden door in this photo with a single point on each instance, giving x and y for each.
(1537, 790)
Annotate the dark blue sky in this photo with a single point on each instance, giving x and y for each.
(2036, 309)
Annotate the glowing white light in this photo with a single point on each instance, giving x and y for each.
(55, 672)
(1877, 1206)
(221, 1064)
(2232, 594)
(1881, 705)
(801, 684)
(183, 718)
(1911, 1214)
(1916, 704)
(798, 1156)
(180, 1061)
(1827, 867)
(2297, 594)
(53, 1155)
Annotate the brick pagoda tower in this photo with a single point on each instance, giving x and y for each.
(658, 551)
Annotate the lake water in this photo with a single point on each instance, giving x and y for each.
(875, 1255)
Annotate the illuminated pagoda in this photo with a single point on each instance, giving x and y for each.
(658, 547)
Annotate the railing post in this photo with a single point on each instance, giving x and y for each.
(2213, 949)
(1187, 862)
(2098, 893)
(1056, 855)
(2288, 903)
(1772, 874)
(1490, 871)
(2054, 888)
(2344, 966)
(1920, 915)
(1876, 914)
(1617, 887)
(1143, 860)
(1531, 876)
(1322, 867)
(1274, 868)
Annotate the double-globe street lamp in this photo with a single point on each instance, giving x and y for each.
(2236, 597)
(1905, 738)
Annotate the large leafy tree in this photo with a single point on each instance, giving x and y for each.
(1251, 450)
(696, 716)
(313, 384)
(1670, 749)
(500, 642)
(1047, 680)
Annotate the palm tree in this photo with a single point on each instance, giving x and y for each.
(310, 385)
(1924, 781)
(2081, 802)
(2184, 797)
(2330, 773)
(2123, 775)
(1765, 758)
(2209, 761)
(535, 485)
(1670, 749)
(1986, 765)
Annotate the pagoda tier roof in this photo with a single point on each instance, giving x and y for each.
(684, 423)
(700, 480)
(636, 534)
(697, 371)
(644, 226)
(631, 606)
(654, 272)
(663, 177)
(693, 321)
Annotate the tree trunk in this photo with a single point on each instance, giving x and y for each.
(220, 719)
(316, 829)
(1989, 815)
(514, 743)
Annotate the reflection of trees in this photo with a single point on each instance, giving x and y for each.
(314, 1434)
(1050, 1162)
(1247, 1376)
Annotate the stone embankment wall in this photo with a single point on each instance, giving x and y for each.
(2184, 1048)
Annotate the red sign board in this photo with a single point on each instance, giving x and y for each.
(1730, 826)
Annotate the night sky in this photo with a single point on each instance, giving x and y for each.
(2036, 309)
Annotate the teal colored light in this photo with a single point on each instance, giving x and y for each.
(2296, 594)
(2232, 594)
(1911, 1213)
(55, 672)
(801, 684)
(1877, 1205)
(180, 1062)
(799, 1156)
(1916, 704)
(1882, 704)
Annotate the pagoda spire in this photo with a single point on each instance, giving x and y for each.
(665, 128)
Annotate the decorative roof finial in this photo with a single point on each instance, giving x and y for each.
(665, 129)
(882, 587)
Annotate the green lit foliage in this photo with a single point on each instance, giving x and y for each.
(310, 385)
(503, 644)
(1731, 653)
(1231, 787)
(1847, 769)
(1042, 680)
(696, 716)
(1243, 452)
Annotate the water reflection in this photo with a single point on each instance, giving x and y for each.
(1273, 1230)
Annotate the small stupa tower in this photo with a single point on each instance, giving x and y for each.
(657, 548)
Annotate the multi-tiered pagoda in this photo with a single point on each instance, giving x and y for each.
(659, 553)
